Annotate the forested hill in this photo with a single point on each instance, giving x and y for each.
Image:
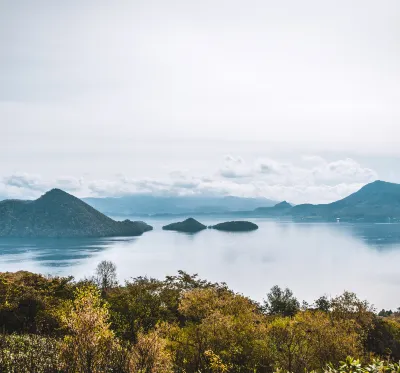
(59, 214)
(375, 202)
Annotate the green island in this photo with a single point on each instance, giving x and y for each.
(189, 225)
(235, 226)
(185, 324)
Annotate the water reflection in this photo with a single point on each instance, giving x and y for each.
(378, 236)
(310, 258)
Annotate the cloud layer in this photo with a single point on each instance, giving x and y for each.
(309, 73)
(313, 180)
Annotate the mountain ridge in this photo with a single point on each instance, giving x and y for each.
(378, 201)
(147, 205)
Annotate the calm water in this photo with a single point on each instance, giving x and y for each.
(311, 259)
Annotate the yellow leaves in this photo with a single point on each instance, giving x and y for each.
(90, 340)
(215, 363)
(183, 325)
(311, 339)
(201, 303)
(150, 354)
(222, 330)
(198, 303)
(29, 353)
(92, 347)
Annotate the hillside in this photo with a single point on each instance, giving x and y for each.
(375, 202)
(142, 205)
(59, 214)
(277, 210)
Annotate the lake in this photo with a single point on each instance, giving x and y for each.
(311, 259)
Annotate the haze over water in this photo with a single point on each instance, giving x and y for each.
(311, 259)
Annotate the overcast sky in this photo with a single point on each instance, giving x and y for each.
(289, 99)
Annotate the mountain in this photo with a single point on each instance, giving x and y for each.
(375, 202)
(59, 214)
(278, 209)
(142, 205)
(188, 226)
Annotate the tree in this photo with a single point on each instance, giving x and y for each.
(150, 355)
(310, 340)
(281, 302)
(385, 313)
(323, 304)
(27, 301)
(106, 275)
(138, 306)
(28, 353)
(90, 344)
(222, 332)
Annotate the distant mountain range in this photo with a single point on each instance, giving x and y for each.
(144, 205)
(59, 214)
(375, 202)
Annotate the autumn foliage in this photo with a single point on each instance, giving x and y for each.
(185, 325)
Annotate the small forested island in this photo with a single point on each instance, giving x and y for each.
(189, 225)
(185, 324)
(235, 226)
(59, 214)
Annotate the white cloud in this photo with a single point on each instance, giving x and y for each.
(280, 173)
(24, 181)
(320, 182)
(25, 185)
(346, 170)
(235, 167)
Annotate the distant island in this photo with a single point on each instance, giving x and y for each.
(59, 214)
(235, 226)
(189, 225)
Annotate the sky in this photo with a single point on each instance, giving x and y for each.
(294, 100)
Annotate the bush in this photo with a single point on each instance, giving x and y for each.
(29, 353)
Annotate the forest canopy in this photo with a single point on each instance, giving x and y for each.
(184, 324)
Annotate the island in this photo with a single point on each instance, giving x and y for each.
(59, 214)
(189, 225)
(235, 226)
